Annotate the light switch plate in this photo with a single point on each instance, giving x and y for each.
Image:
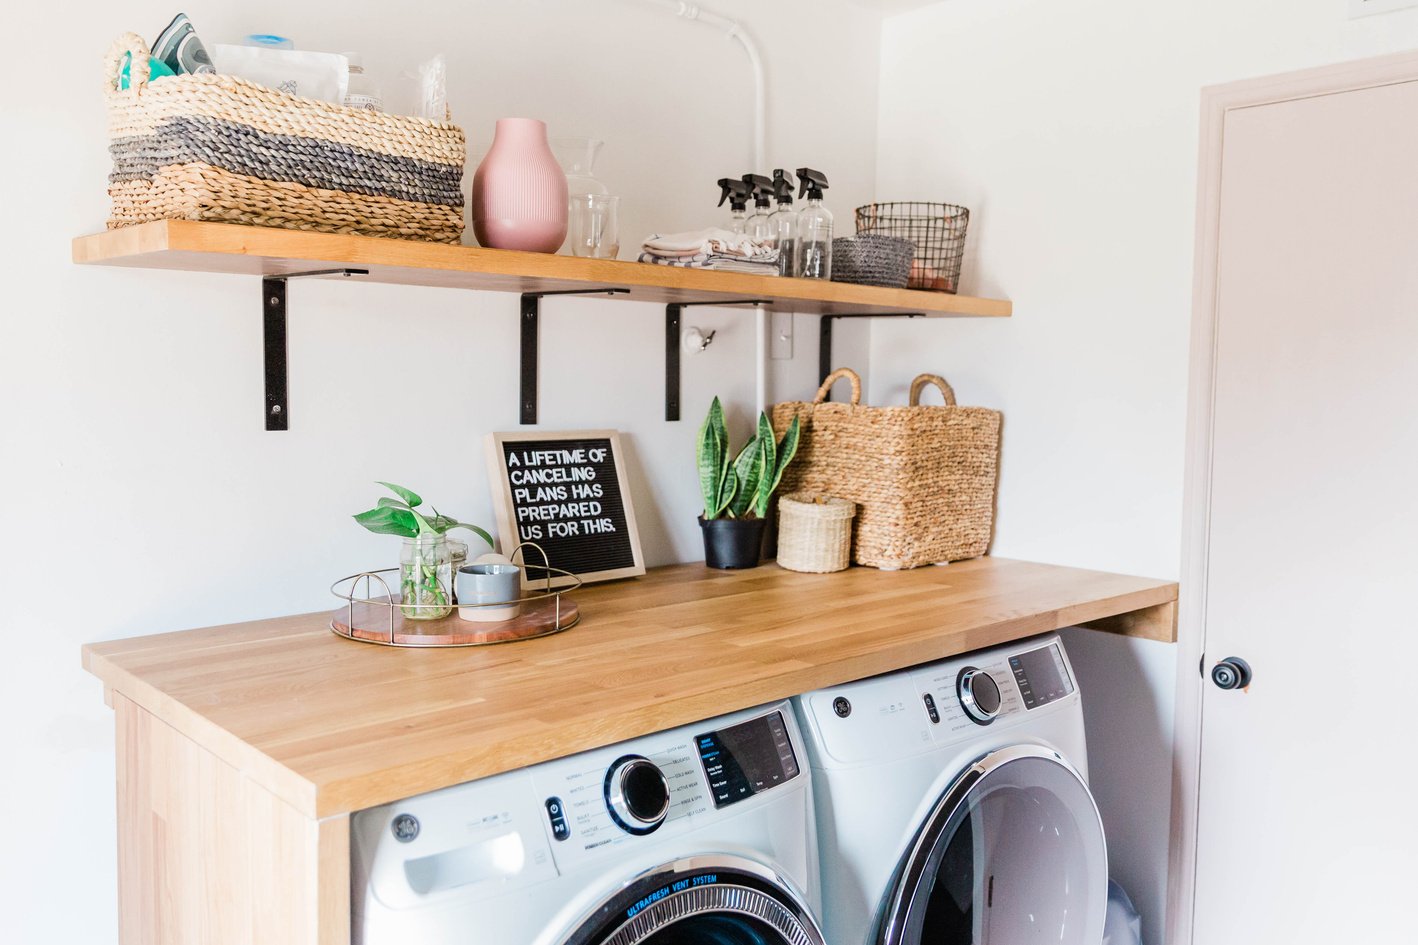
(1358, 8)
(780, 347)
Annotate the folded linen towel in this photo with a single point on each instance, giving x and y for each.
(715, 262)
(714, 241)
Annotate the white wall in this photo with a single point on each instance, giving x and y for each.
(143, 494)
(1070, 130)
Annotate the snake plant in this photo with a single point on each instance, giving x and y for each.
(741, 488)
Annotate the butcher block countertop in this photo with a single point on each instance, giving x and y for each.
(333, 726)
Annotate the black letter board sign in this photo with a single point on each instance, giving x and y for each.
(567, 493)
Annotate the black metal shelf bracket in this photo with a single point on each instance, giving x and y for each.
(531, 338)
(824, 338)
(273, 324)
(674, 317)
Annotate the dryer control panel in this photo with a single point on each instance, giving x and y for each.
(966, 696)
(1042, 675)
(945, 703)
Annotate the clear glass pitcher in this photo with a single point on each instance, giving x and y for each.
(577, 157)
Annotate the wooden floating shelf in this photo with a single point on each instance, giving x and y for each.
(263, 251)
(333, 726)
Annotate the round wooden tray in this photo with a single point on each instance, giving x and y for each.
(368, 622)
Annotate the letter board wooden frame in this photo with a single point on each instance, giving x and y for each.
(575, 501)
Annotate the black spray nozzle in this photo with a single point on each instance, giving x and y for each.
(760, 187)
(735, 191)
(813, 183)
(783, 186)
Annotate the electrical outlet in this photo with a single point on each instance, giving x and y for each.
(780, 346)
(1358, 8)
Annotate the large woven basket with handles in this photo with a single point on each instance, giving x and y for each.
(923, 477)
(215, 147)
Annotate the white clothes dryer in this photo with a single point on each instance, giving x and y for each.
(952, 804)
(702, 835)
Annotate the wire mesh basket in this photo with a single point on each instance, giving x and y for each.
(872, 259)
(936, 229)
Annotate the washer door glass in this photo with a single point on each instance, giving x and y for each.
(1012, 852)
(718, 900)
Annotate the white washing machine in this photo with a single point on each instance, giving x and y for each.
(698, 836)
(953, 807)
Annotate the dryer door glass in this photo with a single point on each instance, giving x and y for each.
(1012, 852)
(706, 900)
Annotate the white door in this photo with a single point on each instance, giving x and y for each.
(1307, 820)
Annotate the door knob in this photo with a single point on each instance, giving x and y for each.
(1231, 673)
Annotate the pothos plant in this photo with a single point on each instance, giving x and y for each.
(425, 570)
(744, 487)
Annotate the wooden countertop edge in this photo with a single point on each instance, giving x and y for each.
(1147, 611)
(371, 789)
(250, 761)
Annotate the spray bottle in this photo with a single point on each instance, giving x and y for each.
(814, 256)
(784, 224)
(759, 228)
(736, 193)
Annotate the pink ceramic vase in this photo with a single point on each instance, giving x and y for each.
(519, 190)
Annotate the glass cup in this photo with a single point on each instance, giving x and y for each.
(595, 226)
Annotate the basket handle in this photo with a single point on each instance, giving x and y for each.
(919, 384)
(138, 64)
(836, 376)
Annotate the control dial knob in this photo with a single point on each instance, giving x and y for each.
(637, 794)
(979, 695)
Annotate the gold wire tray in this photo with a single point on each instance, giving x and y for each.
(381, 618)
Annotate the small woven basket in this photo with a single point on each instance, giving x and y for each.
(219, 148)
(923, 477)
(871, 259)
(814, 533)
(937, 230)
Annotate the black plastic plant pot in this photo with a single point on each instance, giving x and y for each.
(733, 542)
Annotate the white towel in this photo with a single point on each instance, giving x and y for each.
(714, 262)
(714, 241)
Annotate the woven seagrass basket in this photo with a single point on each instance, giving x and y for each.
(814, 533)
(923, 477)
(219, 148)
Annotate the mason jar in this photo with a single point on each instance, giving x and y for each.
(426, 578)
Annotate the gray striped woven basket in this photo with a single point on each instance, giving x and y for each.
(871, 259)
(215, 147)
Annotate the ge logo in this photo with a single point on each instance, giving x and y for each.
(405, 827)
(842, 707)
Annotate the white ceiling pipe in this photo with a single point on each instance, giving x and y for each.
(733, 30)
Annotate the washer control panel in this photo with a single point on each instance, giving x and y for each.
(488, 837)
(747, 758)
(653, 788)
